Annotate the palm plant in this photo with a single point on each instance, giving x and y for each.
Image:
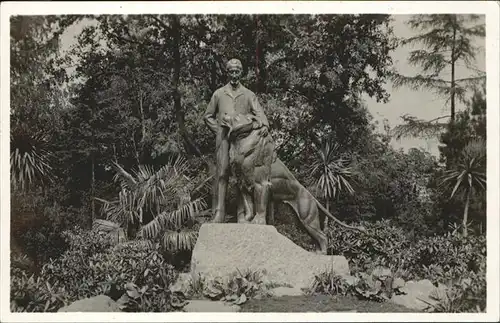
(468, 175)
(159, 202)
(333, 173)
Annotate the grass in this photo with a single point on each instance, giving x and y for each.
(320, 303)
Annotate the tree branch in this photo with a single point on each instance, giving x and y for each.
(419, 128)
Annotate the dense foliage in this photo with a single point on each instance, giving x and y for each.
(112, 129)
(92, 266)
(449, 259)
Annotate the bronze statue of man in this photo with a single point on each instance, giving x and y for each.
(228, 100)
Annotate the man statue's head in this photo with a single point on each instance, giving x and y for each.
(234, 69)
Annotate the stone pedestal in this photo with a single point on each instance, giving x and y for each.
(222, 248)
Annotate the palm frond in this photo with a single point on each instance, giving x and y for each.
(125, 178)
(179, 240)
(147, 189)
(172, 220)
(163, 193)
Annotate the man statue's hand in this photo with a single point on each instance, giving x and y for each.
(264, 131)
(256, 123)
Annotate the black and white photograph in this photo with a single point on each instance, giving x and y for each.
(261, 161)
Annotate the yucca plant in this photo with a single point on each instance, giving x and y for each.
(30, 156)
(333, 172)
(164, 195)
(467, 176)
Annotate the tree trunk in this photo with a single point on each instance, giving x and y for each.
(189, 144)
(466, 213)
(143, 121)
(326, 216)
(92, 194)
(453, 61)
(213, 76)
(260, 61)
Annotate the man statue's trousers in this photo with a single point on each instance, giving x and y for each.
(221, 177)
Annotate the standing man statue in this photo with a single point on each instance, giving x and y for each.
(227, 100)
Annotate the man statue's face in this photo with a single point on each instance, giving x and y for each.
(234, 75)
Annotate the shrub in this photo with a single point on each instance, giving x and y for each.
(450, 259)
(446, 258)
(440, 258)
(464, 295)
(37, 223)
(370, 289)
(86, 242)
(34, 294)
(383, 245)
(90, 267)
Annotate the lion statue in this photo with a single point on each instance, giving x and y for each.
(255, 163)
(250, 159)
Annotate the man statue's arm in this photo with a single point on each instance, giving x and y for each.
(210, 117)
(258, 112)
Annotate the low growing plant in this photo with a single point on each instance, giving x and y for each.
(34, 294)
(371, 288)
(237, 288)
(197, 286)
(467, 294)
(329, 283)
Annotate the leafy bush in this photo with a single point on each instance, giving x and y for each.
(86, 242)
(37, 224)
(439, 258)
(464, 295)
(458, 262)
(34, 294)
(90, 267)
(447, 258)
(154, 299)
(450, 259)
(383, 245)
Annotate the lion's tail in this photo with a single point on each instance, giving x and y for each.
(322, 208)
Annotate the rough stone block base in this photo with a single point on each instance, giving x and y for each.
(222, 248)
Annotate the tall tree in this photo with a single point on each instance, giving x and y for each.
(463, 152)
(447, 41)
(37, 94)
(317, 74)
(146, 80)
